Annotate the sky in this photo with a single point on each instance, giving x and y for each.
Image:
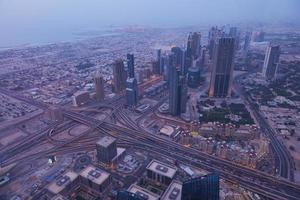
(25, 19)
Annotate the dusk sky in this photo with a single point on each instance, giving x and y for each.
(27, 18)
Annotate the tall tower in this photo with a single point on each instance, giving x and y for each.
(221, 76)
(131, 92)
(120, 76)
(213, 34)
(130, 65)
(196, 44)
(271, 62)
(177, 88)
(179, 57)
(99, 87)
(247, 41)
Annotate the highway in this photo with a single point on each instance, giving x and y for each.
(284, 160)
(269, 186)
(266, 184)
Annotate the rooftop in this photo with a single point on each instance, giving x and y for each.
(57, 186)
(173, 192)
(162, 168)
(94, 174)
(142, 192)
(106, 141)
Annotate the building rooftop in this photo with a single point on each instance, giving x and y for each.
(142, 192)
(162, 168)
(167, 130)
(106, 141)
(57, 186)
(94, 174)
(173, 192)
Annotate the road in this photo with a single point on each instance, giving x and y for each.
(284, 160)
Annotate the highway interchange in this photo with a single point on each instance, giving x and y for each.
(130, 134)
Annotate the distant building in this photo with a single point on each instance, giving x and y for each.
(247, 41)
(161, 172)
(56, 113)
(177, 89)
(202, 188)
(99, 87)
(158, 65)
(119, 76)
(213, 34)
(259, 36)
(80, 98)
(131, 92)
(193, 77)
(130, 65)
(271, 62)
(222, 72)
(234, 33)
(106, 149)
(178, 57)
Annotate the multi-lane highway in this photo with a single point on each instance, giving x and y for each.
(264, 184)
(284, 161)
(131, 134)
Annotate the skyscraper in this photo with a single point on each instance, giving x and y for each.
(213, 34)
(234, 33)
(202, 188)
(177, 88)
(120, 76)
(99, 87)
(130, 65)
(131, 92)
(221, 76)
(271, 62)
(159, 67)
(247, 41)
(196, 44)
(179, 57)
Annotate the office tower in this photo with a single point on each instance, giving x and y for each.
(193, 77)
(177, 88)
(196, 44)
(159, 68)
(106, 149)
(179, 57)
(213, 34)
(234, 33)
(120, 76)
(247, 41)
(125, 195)
(99, 87)
(271, 62)
(131, 92)
(202, 188)
(130, 65)
(221, 76)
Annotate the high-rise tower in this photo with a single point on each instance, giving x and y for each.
(120, 76)
(221, 76)
(130, 65)
(271, 62)
(99, 87)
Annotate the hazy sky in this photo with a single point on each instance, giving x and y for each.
(25, 18)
